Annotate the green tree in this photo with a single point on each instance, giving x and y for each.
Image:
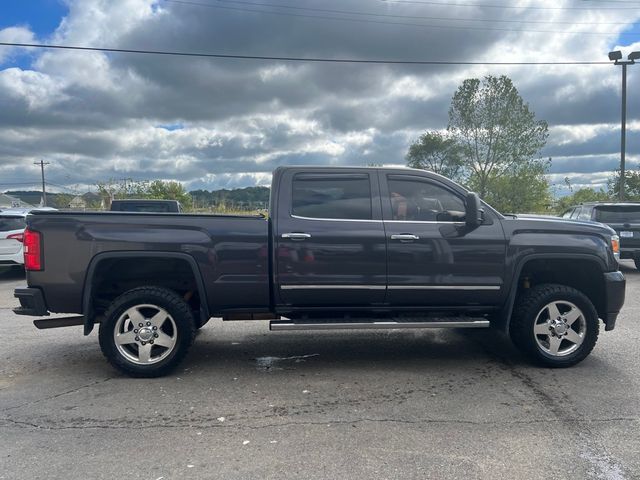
(580, 196)
(498, 133)
(522, 189)
(438, 153)
(114, 189)
(169, 190)
(631, 184)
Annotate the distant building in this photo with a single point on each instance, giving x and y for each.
(78, 203)
(87, 200)
(8, 201)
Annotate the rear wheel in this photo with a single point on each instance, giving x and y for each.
(147, 331)
(555, 325)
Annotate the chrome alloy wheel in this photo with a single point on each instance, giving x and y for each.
(145, 334)
(560, 328)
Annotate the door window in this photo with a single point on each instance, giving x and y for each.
(585, 214)
(415, 200)
(568, 213)
(576, 212)
(332, 196)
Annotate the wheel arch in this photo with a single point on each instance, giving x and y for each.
(504, 317)
(88, 304)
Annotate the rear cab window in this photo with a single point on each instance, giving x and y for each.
(340, 196)
(618, 214)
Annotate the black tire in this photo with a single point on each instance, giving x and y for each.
(527, 310)
(181, 329)
(637, 262)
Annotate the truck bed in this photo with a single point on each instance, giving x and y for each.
(230, 253)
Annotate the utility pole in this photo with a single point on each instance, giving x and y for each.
(44, 191)
(616, 57)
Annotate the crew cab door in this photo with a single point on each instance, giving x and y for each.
(433, 259)
(330, 247)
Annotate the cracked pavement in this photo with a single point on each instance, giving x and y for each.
(248, 403)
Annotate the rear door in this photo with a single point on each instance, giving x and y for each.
(432, 259)
(329, 239)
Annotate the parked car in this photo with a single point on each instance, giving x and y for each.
(342, 248)
(623, 217)
(144, 205)
(12, 225)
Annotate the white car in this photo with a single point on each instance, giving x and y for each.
(12, 225)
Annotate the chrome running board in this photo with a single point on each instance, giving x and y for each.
(337, 325)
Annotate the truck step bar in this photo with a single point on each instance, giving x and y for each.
(378, 324)
(45, 323)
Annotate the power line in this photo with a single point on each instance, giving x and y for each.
(288, 59)
(520, 7)
(408, 24)
(385, 15)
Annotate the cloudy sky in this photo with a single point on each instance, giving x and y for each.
(213, 123)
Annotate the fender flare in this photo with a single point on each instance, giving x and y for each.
(504, 316)
(87, 300)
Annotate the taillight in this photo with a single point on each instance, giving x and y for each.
(17, 236)
(32, 250)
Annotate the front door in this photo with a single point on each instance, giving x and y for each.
(432, 259)
(330, 242)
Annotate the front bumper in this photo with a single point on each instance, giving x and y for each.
(31, 302)
(614, 285)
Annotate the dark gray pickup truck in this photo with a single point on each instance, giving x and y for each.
(343, 248)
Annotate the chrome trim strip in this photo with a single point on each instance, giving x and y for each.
(333, 287)
(444, 287)
(285, 325)
(424, 221)
(335, 219)
(390, 287)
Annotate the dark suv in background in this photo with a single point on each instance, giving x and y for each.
(624, 218)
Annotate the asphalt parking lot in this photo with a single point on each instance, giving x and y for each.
(252, 404)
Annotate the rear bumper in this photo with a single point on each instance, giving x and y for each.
(614, 284)
(31, 302)
(16, 258)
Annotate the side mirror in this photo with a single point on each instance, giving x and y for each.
(473, 211)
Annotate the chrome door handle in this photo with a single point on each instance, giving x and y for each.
(405, 237)
(296, 236)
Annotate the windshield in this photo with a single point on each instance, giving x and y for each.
(12, 223)
(618, 214)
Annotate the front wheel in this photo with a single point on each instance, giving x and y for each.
(147, 331)
(555, 325)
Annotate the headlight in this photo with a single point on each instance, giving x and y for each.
(615, 246)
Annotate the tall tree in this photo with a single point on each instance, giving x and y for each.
(524, 189)
(631, 184)
(438, 153)
(495, 128)
(580, 196)
(169, 190)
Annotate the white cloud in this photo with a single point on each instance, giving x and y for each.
(96, 115)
